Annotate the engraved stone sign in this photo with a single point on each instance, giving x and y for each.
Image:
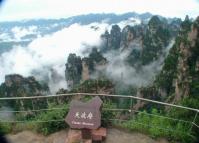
(85, 115)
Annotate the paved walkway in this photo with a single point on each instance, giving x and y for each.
(114, 136)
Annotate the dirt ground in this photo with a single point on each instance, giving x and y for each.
(113, 136)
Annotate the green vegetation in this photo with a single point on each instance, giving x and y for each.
(107, 115)
(158, 126)
(52, 116)
(93, 86)
(5, 128)
(45, 122)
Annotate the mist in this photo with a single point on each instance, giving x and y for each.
(45, 57)
(119, 71)
(20, 32)
(6, 113)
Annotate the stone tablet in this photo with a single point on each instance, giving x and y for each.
(85, 115)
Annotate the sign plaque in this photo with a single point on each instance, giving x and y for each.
(85, 115)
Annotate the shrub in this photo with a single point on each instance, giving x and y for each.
(108, 114)
(157, 126)
(53, 120)
(5, 128)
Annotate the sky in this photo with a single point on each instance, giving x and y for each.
(30, 9)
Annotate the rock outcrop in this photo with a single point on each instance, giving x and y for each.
(80, 69)
(187, 63)
(179, 76)
(146, 42)
(73, 70)
(16, 85)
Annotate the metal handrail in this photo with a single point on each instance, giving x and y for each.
(109, 95)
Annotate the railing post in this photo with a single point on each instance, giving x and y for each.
(131, 104)
(32, 105)
(47, 101)
(195, 117)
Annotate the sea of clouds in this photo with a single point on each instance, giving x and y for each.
(45, 57)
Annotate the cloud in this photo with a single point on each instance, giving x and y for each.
(23, 9)
(121, 72)
(4, 37)
(20, 32)
(45, 57)
(130, 22)
(5, 116)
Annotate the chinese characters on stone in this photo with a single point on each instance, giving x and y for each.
(83, 115)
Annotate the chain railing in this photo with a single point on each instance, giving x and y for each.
(130, 109)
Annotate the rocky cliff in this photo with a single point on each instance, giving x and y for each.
(137, 46)
(18, 86)
(80, 69)
(179, 76)
(146, 42)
